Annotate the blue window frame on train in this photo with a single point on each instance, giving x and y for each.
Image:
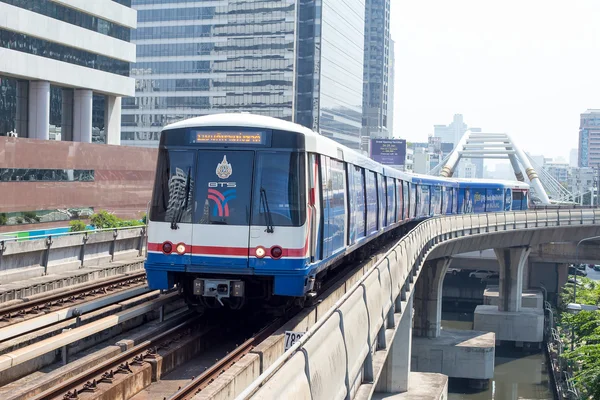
(381, 201)
(517, 199)
(406, 201)
(399, 205)
(454, 200)
(436, 199)
(391, 201)
(371, 187)
(507, 199)
(337, 216)
(356, 204)
(412, 188)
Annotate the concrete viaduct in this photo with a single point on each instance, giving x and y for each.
(383, 336)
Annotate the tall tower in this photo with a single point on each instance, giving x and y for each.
(376, 70)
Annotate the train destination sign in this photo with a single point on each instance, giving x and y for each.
(231, 137)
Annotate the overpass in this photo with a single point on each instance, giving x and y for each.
(363, 347)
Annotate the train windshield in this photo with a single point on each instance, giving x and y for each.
(229, 187)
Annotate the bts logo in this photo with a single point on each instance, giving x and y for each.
(221, 207)
(222, 184)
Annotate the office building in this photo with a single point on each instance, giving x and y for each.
(452, 133)
(589, 139)
(64, 68)
(377, 70)
(559, 171)
(296, 60)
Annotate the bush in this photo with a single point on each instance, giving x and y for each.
(19, 220)
(104, 220)
(3, 219)
(145, 219)
(77, 226)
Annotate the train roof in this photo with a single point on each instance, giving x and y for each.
(241, 119)
(499, 182)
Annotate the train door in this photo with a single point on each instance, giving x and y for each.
(223, 201)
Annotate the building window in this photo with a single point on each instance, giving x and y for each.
(46, 175)
(27, 44)
(73, 17)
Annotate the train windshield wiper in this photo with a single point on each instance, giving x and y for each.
(267, 213)
(178, 214)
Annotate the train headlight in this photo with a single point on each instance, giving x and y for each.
(180, 248)
(276, 252)
(260, 252)
(167, 247)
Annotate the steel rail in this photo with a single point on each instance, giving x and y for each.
(93, 375)
(31, 304)
(208, 376)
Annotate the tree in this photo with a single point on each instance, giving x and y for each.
(77, 226)
(3, 218)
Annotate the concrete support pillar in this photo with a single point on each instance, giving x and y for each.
(563, 276)
(112, 120)
(22, 117)
(428, 298)
(82, 116)
(39, 110)
(526, 274)
(512, 263)
(396, 370)
(67, 115)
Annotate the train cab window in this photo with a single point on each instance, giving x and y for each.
(279, 189)
(517, 199)
(223, 187)
(172, 199)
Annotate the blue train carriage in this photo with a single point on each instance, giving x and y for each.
(251, 207)
(434, 195)
(483, 195)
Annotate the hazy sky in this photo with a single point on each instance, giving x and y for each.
(525, 67)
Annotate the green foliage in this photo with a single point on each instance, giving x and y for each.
(19, 220)
(3, 218)
(104, 220)
(145, 219)
(77, 226)
(587, 293)
(585, 325)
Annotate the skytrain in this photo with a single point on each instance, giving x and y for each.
(252, 208)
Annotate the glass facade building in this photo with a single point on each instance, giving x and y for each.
(81, 57)
(377, 62)
(297, 60)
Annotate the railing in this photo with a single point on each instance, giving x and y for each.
(336, 354)
(24, 259)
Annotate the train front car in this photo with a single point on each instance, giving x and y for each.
(228, 211)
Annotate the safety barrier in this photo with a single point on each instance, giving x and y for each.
(336, 355)
(24, 259)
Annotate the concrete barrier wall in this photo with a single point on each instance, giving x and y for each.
(336, 351)
(27, 259)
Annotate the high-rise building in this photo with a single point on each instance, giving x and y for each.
(589, 139)
(391, 89)
(452, 133)
(64, 68)
(297, 60)
(377, 70)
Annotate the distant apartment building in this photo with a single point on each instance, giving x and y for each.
(64, 68)
(581, 180)
(297, 60)
(559, 171)
(452, 133)
(589, 139)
